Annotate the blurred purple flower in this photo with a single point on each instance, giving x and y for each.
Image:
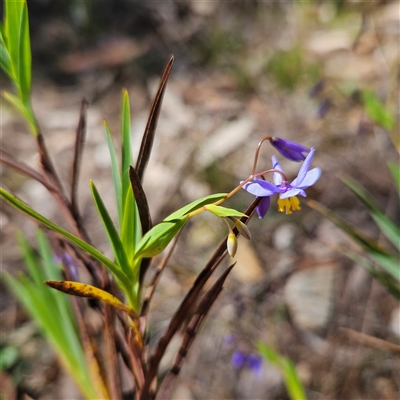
(290, 150)
(254, 362)
(242, 360)
(238, 360)
(317, 88)
(287, 191)
(323, 108)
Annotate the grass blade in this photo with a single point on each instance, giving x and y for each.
(149, 132)
(141, 201)
(388, 228)
(387, 281)
(78, 150)
(92, 292)
(24, 59)
(21, 206)
(115, 172)
(126, 146)
(119, 251)
(195, 205)
(395, 170)
(292, 381)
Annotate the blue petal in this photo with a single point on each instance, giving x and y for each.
(303, 169)
(311, 177)
(261, 188)
(291, 150)
(292, 193)
(263, 207)
(277, 177)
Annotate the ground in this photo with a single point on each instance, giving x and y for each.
(241, 71)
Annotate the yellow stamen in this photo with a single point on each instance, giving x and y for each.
(289, 204)
(295, 202)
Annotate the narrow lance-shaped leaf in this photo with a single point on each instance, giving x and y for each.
(21, 206)
(388, 228)
(141, 200)
(25, 112)
(377, 111)
(395, 170)
(149, 133)
(115, 171)
(223, 211)
(11, 33)
(195, 205)
(24, 60)
(158, 238)
(292, 381)
(84, 290)
(5, 62)
(387, 281)
(112, 233)
(366, 242)
(126, 146)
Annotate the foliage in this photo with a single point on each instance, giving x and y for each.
(292, 381)
(374, 255)
(116, 284)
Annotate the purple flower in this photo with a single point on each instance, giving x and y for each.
(242, 360)
(238, 359)
(263, 207)
(287, 191)
(291, 150)
(254, 362)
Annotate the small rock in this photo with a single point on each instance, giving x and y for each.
(323, 43)
(394, 323)
(309, 296)
(225, 140)
(248, 267)
(284, 236)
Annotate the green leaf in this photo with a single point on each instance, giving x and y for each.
(377, 111)
(369, 245)
(126, 146)
(112, 233)
(25, 60)
(21, 206)
(5, 62)
(11, 33)
(45, 306)
(223, 211)
(390, 264)
(195, 205)
(292, 381)
(386, 280)
(395, 170)
(128, 228)
(158, 238)
(388, 228)
(115, 171)
(24, 109)
(8, 357)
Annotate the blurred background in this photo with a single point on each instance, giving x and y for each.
(242, 70)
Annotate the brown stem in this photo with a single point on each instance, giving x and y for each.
(187, 303)
(204, 307)
(258, 152)
(76, 163)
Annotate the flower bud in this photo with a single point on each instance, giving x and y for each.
(231, 244)
(242, 228)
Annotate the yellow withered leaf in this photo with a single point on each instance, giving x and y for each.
(84, 290)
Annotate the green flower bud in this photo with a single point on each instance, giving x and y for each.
(231, 244)
(242, 228)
